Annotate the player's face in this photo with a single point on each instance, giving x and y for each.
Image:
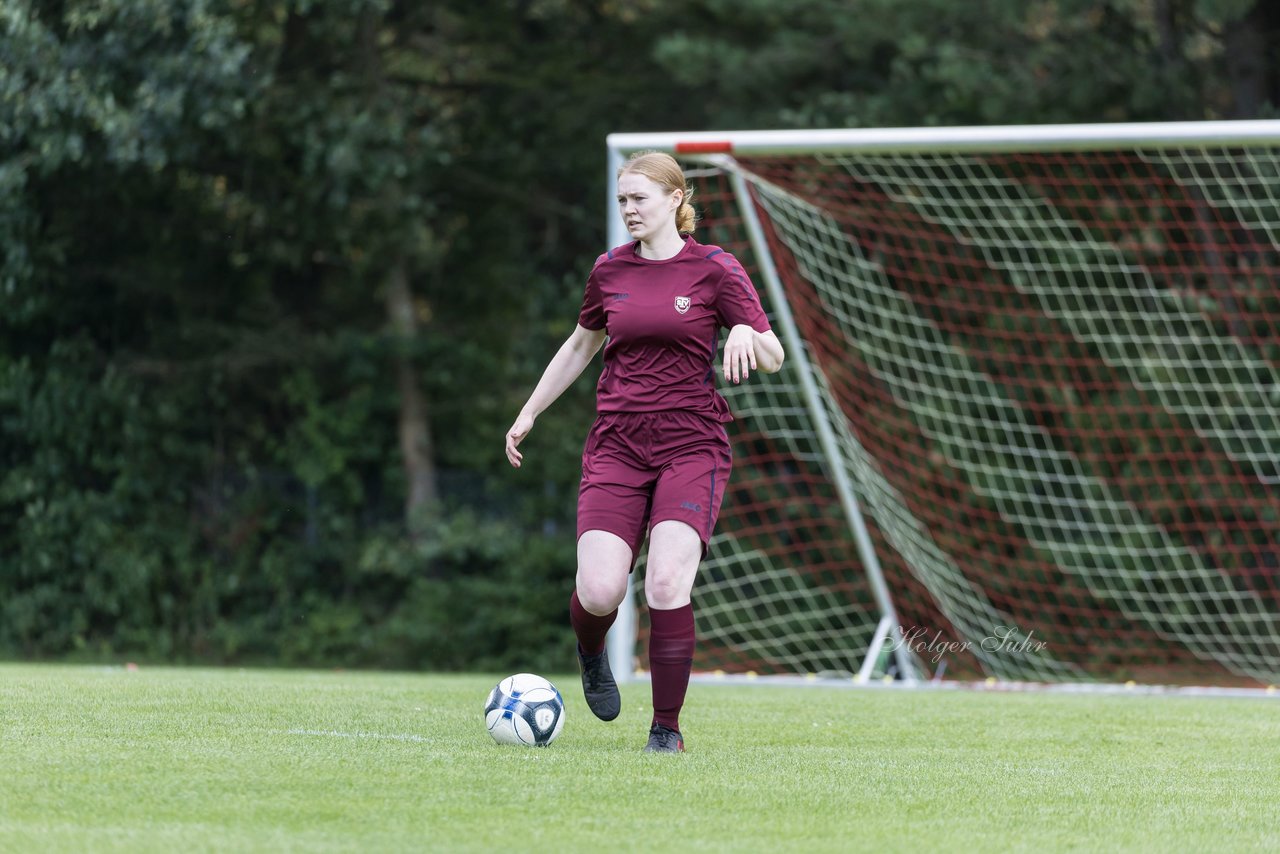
(646, 208)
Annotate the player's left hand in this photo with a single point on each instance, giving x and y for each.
(739, 353)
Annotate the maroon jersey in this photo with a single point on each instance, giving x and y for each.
(663, 319)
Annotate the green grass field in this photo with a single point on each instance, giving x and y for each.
(103, 759)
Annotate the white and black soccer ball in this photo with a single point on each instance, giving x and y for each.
(524, 709)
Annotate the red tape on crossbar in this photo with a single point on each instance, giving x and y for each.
(718, 147)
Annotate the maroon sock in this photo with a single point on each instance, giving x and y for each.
(671, 638)
(589, 628)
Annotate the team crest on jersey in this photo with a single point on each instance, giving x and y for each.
(682, 304)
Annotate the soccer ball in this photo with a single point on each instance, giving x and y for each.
(524, 709)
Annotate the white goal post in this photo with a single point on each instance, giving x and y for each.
(1029, 424)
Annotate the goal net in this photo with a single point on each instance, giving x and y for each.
(1029, 425)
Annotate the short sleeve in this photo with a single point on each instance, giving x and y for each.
(736, 299)
(591, 316)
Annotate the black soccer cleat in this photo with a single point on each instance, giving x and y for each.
(664, 740)
(598, 686)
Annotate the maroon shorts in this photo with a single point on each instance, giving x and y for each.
(642, 468)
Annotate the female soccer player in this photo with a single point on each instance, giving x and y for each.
(657, 457)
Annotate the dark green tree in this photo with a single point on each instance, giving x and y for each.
(881, 63)
(275, 277)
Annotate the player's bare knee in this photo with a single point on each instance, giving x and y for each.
(598, 603)
(600, 593)
(665, 591)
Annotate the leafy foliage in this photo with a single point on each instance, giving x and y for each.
(201, 202)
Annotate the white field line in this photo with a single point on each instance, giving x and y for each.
(1270, 692)
(332, 733)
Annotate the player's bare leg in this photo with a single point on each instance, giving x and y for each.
(604, 568)
(675, 550)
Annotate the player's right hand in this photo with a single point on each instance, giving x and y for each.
(520, 429)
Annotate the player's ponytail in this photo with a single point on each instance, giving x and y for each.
(663, 170)
(686, 216)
